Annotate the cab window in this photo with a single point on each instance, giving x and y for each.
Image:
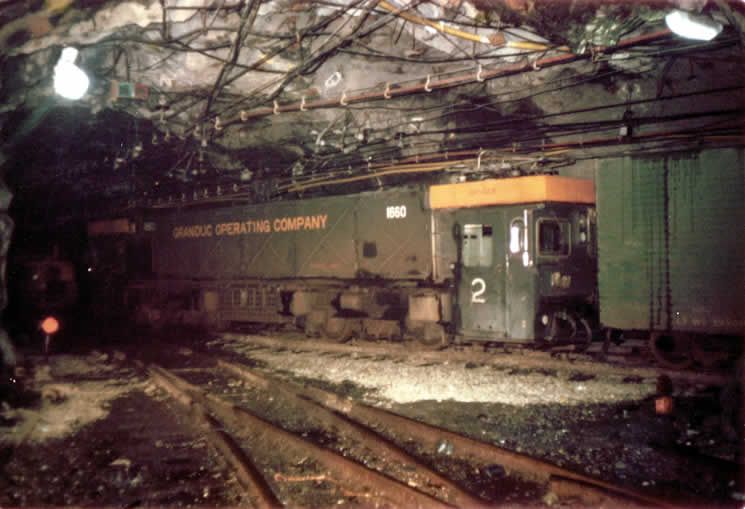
(477, 245)
(553, 237)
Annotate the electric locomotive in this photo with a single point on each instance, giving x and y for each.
(497, 260)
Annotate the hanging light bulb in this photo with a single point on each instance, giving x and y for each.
(692, 26)
(69, 80)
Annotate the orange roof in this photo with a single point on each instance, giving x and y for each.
(510, 191)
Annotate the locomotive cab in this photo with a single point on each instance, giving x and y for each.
(525, 271)
(565, 272)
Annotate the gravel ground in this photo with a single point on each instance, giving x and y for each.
(74, 392)
(95, 435)
(90, 432)
(600, 424)
(397, 382)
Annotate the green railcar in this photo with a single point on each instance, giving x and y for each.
(671, 248)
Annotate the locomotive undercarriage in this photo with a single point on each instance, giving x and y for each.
(330, 309)
(319, 308)
(566, 321)
(411, 312)
(402, 312)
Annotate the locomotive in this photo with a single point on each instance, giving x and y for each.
(496, 260)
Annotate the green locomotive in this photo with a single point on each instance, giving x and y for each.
(503, 260)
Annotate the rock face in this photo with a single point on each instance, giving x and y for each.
(170, 87)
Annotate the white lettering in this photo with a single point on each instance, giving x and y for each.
(395, 212)
(480, 288)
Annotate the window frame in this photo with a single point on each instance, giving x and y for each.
(485, 256)
(560, 221)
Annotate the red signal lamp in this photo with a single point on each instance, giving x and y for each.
(50, 325)
(663, 405)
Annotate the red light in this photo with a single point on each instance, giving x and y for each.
(663, 405)
(50, 325)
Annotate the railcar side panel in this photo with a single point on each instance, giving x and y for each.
(258, 241)
(671, 242)
(394, 235)
(374, 235)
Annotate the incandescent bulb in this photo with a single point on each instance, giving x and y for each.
(692, 26)
(69, 80)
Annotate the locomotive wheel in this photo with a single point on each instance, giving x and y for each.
(564, 327)
(310, 328)
(582, 336)
(432, 335)
(671, 350)
(338, 329)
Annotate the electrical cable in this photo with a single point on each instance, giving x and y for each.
(271, 54)
(534, 135)
(279, 85)
(248, 16)
(434, 167)
(644, 145)
(454, 109)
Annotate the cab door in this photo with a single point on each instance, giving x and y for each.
(481, 281)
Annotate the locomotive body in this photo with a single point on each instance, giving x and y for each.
(118, 256)
(525, 266)
(512, 263)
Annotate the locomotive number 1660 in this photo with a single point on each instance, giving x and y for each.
(395, 212)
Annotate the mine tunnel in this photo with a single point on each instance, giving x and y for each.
(372, 253)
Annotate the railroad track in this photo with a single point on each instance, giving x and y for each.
(624, 362)
(290, 445)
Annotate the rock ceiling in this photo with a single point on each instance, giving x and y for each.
(214, 98)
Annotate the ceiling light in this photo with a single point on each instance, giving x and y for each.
(69, 80)
(692, 26)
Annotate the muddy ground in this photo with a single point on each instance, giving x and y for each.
(89, 429)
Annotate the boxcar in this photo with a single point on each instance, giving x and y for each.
(672, 250)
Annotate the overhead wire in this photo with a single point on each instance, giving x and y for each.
(279, 85)
(248, 15)
(567, 128)
(533, 134)
(229, 106)
(442, 83)
(455, 110)
(402, 168)
(274, 52)
(644, 144)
